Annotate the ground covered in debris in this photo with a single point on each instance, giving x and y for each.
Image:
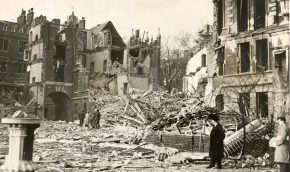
(65, 146)
(148, 131)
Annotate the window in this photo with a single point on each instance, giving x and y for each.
(220, 16)
(219, 101)
(92, 67)
(262, 104)
(244, 103)
(34, 57)
(36, 37)
(260, 14)
(4, 44)
(220, 61)
(21, 67)
(13, 29)
(33, 79)
(245, 57)
(30, 36)
(3, 66)
(242, 12)
(85, 106)
(262, 55)
(5, 28)
(84, 60)
(21, 46)
(203, 60)
(280, 61)
(76, 108)
(104, 65)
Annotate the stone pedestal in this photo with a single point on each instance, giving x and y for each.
(21, 138)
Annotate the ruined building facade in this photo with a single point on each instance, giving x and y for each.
(143, 56)
(69, 64)
(13, 39)
(251, 56)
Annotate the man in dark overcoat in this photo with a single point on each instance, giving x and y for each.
(217, 136)
(95, 122)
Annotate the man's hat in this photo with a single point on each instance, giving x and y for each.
(213, 117)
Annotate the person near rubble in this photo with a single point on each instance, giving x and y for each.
(82, 117)
(281, 156)
(216, 147)
(95, 121)
(87, 119)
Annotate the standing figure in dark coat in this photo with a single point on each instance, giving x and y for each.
(95, 122)
(82, 117)
(217, 136)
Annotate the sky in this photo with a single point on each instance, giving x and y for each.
(171, 16)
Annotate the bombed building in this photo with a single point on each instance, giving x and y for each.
(144, 60)
(251, 56)
(13, 39)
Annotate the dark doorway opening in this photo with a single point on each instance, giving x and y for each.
(61, 106)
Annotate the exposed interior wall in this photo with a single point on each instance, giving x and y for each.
(139, 82)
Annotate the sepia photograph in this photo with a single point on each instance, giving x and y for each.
(144, 85)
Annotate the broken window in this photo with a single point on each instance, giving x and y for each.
(85, 106)
(140, 70)
(36, 37)
(59, 62)
(21, 46)
(262, 55)
(4, 44)
(220, 61)
(107, 38)
(125, 89)
(5, 28)
(220, 16)
(262, 104)
(244, 103)
(30, 36)
(260, 14)
(245, 57)
(104, 65)
(219, 101)
(242, 10)
(92, 67)
(117, 55)
(203, 60)
(84, 60)
(280, 61)
(3, 66)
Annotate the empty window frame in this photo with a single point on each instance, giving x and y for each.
(203, 60)
(4, 44)
(262, 104)
(220, 61)
(243, 15)
(262, 55)
(244, 53)
(260, 14)
(92, 67)
(219, 101)
(220, 16)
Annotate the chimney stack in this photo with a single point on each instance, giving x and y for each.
(30, 17)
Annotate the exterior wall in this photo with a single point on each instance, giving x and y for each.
(13, 67)
(98, 59)
(121, 80)
(272, 80)
(139, 82)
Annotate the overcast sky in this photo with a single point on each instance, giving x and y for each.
(171, 16)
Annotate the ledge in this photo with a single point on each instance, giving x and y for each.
(20, 121)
